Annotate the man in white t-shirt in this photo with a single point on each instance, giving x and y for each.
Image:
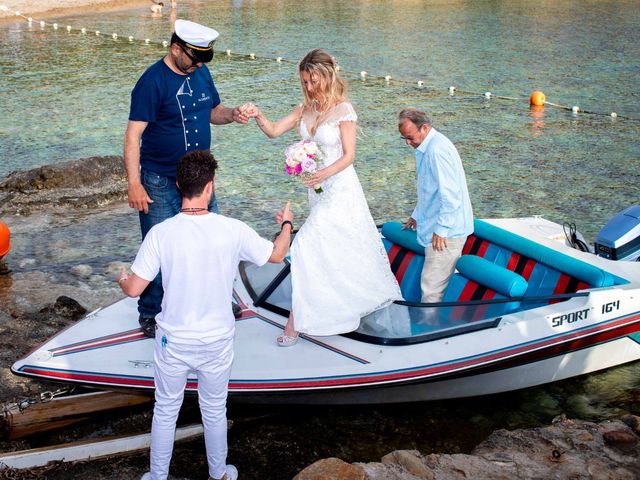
(198, 253)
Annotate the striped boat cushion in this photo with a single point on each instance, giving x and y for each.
(407, 267)
(542, 279)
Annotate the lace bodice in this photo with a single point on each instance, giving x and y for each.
(327, 135)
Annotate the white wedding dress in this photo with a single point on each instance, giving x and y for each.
(339, 268)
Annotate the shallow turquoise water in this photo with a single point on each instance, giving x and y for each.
(66, 95)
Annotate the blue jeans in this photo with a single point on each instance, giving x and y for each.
(167, 202)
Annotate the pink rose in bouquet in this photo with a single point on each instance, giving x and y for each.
(302, 159)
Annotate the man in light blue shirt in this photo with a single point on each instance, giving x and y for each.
(443, 216)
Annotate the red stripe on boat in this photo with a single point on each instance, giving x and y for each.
(402, 269)
(513, 261)
(483, 248)
(97, 343)
(393, 252)
(468, 244)
(468, 291)
(528, 269)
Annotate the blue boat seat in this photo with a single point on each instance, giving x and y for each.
(547, 271)
(544, 270)
(406, 257)
(479, 279)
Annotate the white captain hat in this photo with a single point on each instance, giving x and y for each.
(198, 38)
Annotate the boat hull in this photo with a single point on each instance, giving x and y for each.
(594, 330)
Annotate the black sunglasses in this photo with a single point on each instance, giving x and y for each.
(189, 54)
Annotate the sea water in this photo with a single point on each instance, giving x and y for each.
(65, 95)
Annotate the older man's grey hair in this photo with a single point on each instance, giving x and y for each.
(417, 117)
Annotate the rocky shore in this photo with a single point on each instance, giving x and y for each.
(566, 449)
(91, 182)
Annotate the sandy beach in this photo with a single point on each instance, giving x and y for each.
(56, 8)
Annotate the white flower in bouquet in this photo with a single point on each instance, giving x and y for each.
(300, 159)
(300, 155)
(310, 148)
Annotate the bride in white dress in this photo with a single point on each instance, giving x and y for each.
(339, 268)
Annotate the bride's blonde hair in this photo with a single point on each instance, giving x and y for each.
(329, 88)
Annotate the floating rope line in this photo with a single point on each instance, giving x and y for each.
(363, 75)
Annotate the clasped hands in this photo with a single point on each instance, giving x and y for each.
(244, 113)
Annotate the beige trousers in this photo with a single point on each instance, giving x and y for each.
(438, 268)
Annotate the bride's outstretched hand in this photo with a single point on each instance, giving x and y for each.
(250, 110)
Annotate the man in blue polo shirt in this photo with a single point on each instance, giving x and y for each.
(443, 216)
(171, 107)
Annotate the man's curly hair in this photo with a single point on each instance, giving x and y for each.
(195, 169)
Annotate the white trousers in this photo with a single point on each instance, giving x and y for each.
(438, 268)
(172, 363)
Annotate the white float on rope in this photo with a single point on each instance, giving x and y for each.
(387, 78)
(55, 26)
(420, 83)
(165, 43)
(614, 114)
(131, 38)
(42, 24)
(97, 33)
(146, 41)
(114, 36)
(488, 94)
(452, 90)
(363, 74)
(279, 59)
(575, 109)
(68, 28)
(228, 53)
(83, 30)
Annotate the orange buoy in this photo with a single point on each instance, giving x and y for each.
(5, 236)
(537, 98)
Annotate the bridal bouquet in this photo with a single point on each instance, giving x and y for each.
(302, 159)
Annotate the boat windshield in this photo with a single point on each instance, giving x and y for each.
(269, 286)
(400, 323)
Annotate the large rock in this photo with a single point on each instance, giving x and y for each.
(573, 449)
(330, 469)
(65, 307)
(88, 182)
(71, 174)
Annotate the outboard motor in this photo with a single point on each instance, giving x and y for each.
(619, 239)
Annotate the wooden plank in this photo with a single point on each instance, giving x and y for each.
(62, 411)
(89, 450)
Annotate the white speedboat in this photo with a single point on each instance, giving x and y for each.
(522, 309)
